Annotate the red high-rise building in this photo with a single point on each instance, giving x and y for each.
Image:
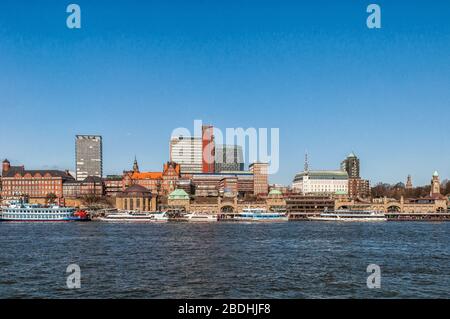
(208, 149)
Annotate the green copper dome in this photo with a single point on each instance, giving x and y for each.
(178, 194)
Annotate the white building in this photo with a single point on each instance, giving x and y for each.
(187, 151)
(321, 182)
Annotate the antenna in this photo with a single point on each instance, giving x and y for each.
(306, 162)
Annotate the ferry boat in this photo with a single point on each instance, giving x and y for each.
(135, 217)
(260, 215)
(24, 212)
(350, 215)
(199, 217)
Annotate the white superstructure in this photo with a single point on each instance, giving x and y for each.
(135, 217)
(200, 217)
(351, 216)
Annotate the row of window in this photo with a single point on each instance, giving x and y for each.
(29, 187)
(33, 182)
(34, 216)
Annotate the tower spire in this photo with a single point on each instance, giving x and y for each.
(135, 165)
(306, 169)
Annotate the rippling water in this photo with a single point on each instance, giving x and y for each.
(225, 260)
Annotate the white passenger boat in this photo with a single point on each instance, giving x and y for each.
(350, 216)
(24, 212)
(260, 215)
(201, 217)
(135, 217)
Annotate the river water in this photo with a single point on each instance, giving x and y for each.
(225, 260)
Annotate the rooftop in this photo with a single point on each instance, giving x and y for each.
(136, 191)
(21, 171)
(275, 192)
(147, 175)
(328, 174)
(178, 194)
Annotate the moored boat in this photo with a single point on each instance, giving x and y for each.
(200, 217)
(260, 215)
(24, 212)
(350, 216)
(135, 217)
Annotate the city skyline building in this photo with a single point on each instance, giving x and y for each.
(187, 151)
(260, 178)
(351, 166)
(357, 187)
(228, 158)
(320, 182)
(18, 182)
(208, 149)
(88, 156)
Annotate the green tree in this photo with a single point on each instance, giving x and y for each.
(50, 198)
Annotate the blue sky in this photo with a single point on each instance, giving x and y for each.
(136, 70)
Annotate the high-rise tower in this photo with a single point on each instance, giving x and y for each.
(351, 165)
(207, 149)
(88, 154)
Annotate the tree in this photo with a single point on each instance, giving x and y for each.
(50, 198)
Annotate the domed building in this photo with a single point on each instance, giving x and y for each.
(136, 198)
(178, 200)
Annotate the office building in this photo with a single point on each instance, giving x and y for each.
(229, 158)
(351, 165)
(260, 178)
(358, 188)
(88, 153)
(187, 152)
(208, 149)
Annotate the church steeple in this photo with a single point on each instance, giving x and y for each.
(135, 165)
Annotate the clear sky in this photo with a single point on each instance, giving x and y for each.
(136, 70)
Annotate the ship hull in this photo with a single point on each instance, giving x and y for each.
(332, 219)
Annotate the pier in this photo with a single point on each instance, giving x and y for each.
(426, 217)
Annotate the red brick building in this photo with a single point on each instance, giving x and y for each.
(90, 186)
(358, 188)
(157, 182)
(261, 178)
(35, 184)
